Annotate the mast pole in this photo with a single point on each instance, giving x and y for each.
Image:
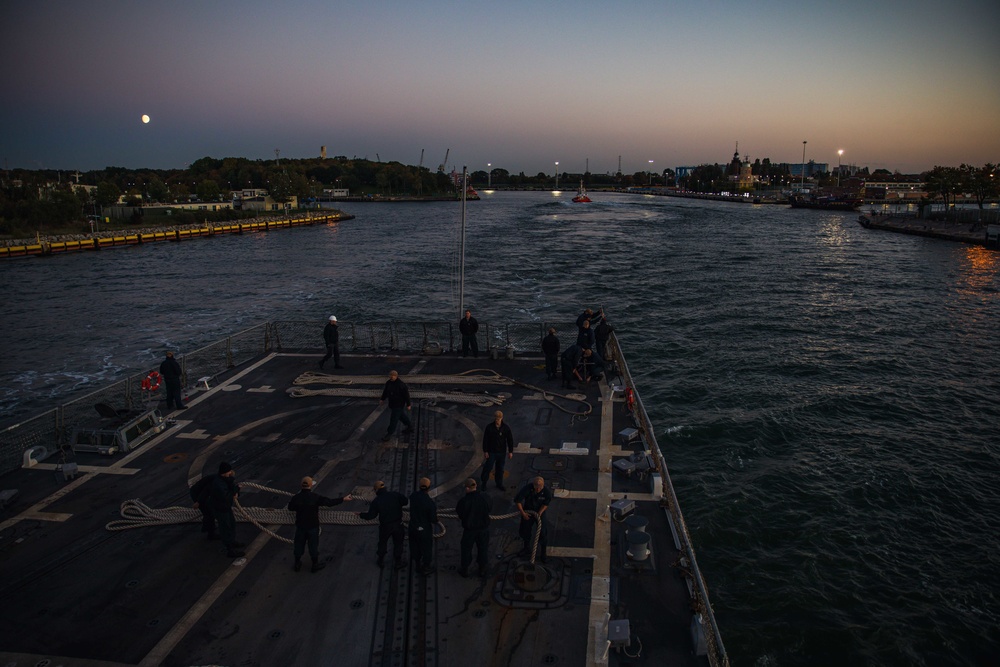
(461, 260)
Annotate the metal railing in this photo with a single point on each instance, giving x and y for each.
(713, 638)
(52, 428)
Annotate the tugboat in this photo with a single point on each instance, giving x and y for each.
(581, 195)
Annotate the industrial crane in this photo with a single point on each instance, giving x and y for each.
(444, 164)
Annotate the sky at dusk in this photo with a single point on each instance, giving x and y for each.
(896, 85)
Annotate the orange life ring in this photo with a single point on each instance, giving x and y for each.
(152, 381)
(630, 399)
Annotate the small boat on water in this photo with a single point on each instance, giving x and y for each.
(581, 195)
(833, 199)
(825, 202)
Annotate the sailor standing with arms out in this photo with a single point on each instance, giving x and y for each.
(306, 506)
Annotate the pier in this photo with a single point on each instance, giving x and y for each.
(972, 233)
(56, 245)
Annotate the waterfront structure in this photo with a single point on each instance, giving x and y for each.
(811, 168)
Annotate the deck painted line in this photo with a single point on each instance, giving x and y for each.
(569, 449)
(35, 511)
(614, 495)
(270, 437)
(265, 389)
(56, 517)
(309, 440)
(526, 448)
(570, 552)
(177, 425)
(177, 633)
(601, 580)
(108, 470)
(42, 659)
(197, 434)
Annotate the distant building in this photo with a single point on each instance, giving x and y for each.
(812, 168)
(122, 211)
(894, 190)
(682, 172)
(739, 172)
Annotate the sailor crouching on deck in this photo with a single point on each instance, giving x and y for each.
(388, 508)
(533, 497)
(306, 506)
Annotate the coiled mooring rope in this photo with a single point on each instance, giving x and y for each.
(137, 514)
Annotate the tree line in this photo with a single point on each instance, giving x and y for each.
(41, 200)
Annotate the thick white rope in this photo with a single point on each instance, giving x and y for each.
(137, 514)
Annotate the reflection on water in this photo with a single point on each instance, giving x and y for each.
(825, 395)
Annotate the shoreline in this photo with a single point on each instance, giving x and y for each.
(973, 234)
(58, 244)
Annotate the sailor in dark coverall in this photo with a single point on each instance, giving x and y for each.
(306, 506)
(589, 316)
(388, 509)
(199, 494)
(398, 397)
(498, 446)
(534, 497)
(423, 516)
(221, 494)
(469, 326)
(602, 333)
(585, 338)
(331, 336)
(550, 346)
(171, 372)
(474, 511)
(570, 360)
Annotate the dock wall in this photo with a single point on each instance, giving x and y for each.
(56, 245)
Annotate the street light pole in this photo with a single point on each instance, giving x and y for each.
(803, 166)
(489, 176)
(650, 173)
(840, 154)
(557, 175)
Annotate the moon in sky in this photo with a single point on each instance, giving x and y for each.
(145, 118)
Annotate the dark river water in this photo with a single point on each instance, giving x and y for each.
(826, 396)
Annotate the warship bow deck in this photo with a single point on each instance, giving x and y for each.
(76, 593)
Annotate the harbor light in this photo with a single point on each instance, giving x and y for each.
(840, 154)
(557, 175)
(803, 187)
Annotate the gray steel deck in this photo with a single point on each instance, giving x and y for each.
(75, 593)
